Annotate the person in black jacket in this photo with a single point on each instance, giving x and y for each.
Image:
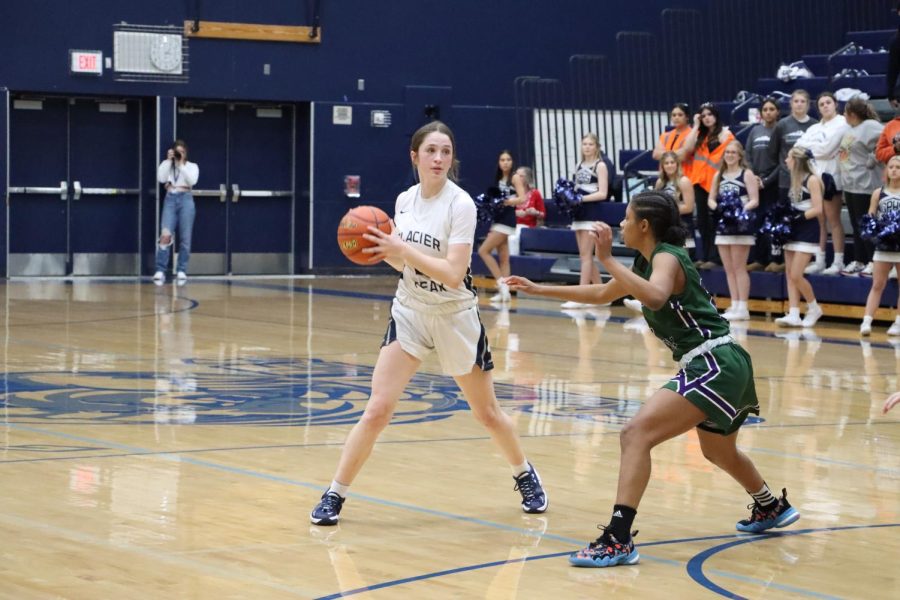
(893, 71)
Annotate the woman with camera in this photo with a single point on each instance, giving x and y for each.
(178, 175)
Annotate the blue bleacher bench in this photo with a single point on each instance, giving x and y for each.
(873, 40)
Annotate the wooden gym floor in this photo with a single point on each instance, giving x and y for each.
(169, 442)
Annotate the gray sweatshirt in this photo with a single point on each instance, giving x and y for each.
(860, 172)
(787, 132)
(758, 154)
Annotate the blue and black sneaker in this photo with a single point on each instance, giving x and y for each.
(534, 498)
(762, 519)
(606, 551)
(328, 510)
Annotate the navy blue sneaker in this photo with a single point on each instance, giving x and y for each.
(534, 498)
(328, 510)
(606, 551)
(762, 519)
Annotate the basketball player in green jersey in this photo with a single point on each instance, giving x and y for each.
(712, 392)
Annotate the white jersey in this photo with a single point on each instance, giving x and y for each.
(431, 225)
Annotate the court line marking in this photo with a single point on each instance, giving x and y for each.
(293, 482)
(694, 566)
(386, 298)
(779, 453)
(522, 310)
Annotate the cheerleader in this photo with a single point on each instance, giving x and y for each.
(734, 177)
(592, 182)
(504, 225)
(805, 195)
(884, 199)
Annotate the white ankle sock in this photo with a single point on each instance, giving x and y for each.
(838, 258)
(519, 469)
(794, 311)
(339, 488)
(810, 306)
(867, 320)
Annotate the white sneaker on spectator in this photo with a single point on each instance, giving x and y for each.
(867, 271)
(812, 315)
(634, 305)
(865, 328)
(572, 304)
(181, 276)
(894, 329)
(737, 315)
(159, 277)
(834, 269)
(853, 269)
(789, 320)
(814, 267)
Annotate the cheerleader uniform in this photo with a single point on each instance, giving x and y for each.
(739, 187)
(687, 221)
(586, 182)
(505, 221)
(805, 234)
(887, 201)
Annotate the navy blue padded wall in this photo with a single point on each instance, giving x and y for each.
(4, 161)
(380, 156)
(388, 44)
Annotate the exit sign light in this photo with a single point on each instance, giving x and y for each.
(86, 62)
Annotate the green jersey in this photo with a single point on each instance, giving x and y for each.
(687, 319)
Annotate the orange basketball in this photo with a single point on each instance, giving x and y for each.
(352, 227)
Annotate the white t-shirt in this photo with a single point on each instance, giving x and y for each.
(824, 140)
(184, 176)
(431, 225)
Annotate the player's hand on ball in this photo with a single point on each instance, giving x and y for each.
(385, 245)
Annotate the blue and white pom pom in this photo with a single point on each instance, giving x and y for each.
(883, 231)
(779, 223)
(732, 218)
(565, 196)
(489, 204)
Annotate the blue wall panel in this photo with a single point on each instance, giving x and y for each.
(4, 162)
(476, 47)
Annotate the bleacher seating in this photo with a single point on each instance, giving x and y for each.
(813, 85)
(874, 40)
(874, 64)
(551, 254)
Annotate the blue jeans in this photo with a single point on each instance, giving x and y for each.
(178, 217)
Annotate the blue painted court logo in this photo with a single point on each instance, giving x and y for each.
(279, 392)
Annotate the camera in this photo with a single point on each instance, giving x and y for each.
(176, 153)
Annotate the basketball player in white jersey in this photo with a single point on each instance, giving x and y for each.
(435, 310)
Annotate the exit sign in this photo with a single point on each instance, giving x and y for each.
(86, 62)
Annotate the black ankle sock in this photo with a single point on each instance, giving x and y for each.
(621, 521)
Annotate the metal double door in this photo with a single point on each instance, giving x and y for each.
(74, 195)
(245, 194)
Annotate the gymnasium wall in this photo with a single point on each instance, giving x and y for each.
(461, 56)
